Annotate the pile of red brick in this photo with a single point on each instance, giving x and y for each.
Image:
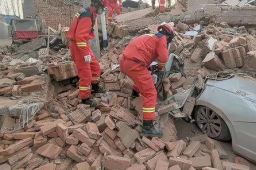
(108, 137)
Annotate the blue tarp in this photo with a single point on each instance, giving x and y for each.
(9, 17)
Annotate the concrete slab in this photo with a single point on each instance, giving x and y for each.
(133, 15)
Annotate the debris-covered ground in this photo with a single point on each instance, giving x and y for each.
(45, 126)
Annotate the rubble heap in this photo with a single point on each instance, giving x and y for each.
(64, 134)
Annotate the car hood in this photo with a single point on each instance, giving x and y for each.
(240, 85)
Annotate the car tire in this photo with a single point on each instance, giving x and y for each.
(210, 123)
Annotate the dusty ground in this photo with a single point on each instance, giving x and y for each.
(4, 42)
(183, 132)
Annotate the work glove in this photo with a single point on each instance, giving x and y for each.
(88, 58)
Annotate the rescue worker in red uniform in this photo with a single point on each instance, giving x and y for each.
(136, 60)
(80, 32)
(113, 6)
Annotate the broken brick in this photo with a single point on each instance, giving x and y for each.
(84, 149)
(209, 143)
(62, 131)
(23, 135)
(176, 167)
(137, 167)
(92, 130)
(49, 166)
(97, 163)
(200, 162)
(110, 123)
(73, 154)
(16, 147)
(216, 162)
(105, 148)
(83, 137)
(71, 140)
(34, 163)
(129, 153)
(150, 144)
(144, 155)
(127, 135)
(119, 144)
(110, 133)
(23, 162)
(167, 108)
(101, 123)
(237, 57)
(5, 167)
(48, 128)
(17, 157)
(228, 59)
(192, 149)
(74, 102)
(179, 147)
(96, 115)
(183, 163)
(108, 140)
(209, 168)
(178, 84)
(73, 94)
(189, 106)
(71, 129)
(151, 163)
(82, 166)
(49, 150)
(64, 164)
(233, 166)
(60, 142)
(115, 162)
(162, 165)
(158, 142)
(40, 139)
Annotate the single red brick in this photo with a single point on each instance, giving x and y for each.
(115, 162)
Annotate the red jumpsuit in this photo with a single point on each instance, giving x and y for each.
(80, 32)
(137, 57)
(113, 6)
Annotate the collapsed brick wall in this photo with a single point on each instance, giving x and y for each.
(55, 13)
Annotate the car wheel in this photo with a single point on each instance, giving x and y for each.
(212, 124)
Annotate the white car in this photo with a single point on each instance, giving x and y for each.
(226, 110)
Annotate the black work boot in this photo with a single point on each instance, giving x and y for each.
(96, 88)
(89, 102)
(151, 129)
(135, 94)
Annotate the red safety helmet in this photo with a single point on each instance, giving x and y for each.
(98, 3)
(168, 30)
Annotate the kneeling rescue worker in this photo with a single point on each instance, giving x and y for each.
(80, 32)
(136, 60)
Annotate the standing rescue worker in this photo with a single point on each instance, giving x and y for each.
(136, 60)
(80, 32)
(113, 6)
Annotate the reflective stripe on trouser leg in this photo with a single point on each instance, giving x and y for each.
(149, 113)
(84, 71)
(144, 82)
(95, 69)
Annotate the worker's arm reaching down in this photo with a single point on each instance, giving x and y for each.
(162, 53)
(162, 49)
